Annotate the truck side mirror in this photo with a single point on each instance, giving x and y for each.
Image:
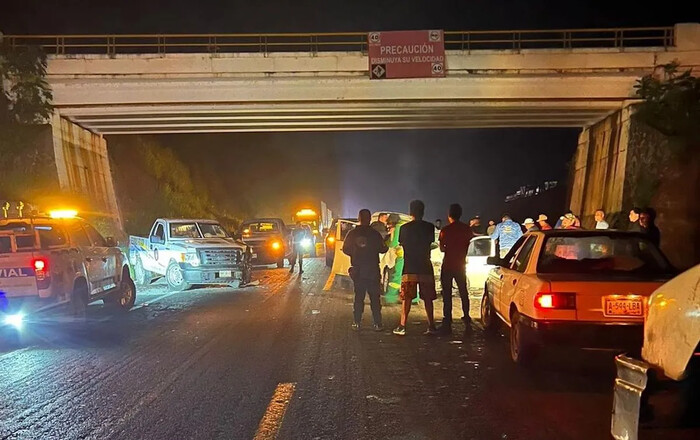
(154, 239)
(494, 261)
(110, 242)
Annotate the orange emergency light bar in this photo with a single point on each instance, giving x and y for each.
(306, 212)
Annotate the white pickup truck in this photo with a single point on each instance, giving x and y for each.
(188, 252)
(49, 262)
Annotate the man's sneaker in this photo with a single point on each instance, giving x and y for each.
(356, 326)
(400, 330)
(431, 331)
(378, 328)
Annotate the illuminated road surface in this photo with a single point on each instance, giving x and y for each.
(280, 361)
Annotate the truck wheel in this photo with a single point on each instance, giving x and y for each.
(124, 299)
(141, 275)
(522, 349)
(488, 317)
(329, 260)
(79, 302)
(175, 278)
(280, 263)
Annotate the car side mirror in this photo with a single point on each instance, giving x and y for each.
(154, 239)
(110, 242)
(494, 261)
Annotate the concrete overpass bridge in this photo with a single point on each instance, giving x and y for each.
(131, 84)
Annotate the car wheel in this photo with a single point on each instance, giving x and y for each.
(124, 299)
(280, 263)
(488, 317)
(176, 278)
(141, 276)
(522, 349)
(79, 303)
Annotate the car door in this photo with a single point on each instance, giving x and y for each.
(107, 258)
(157, 254)
(84, 253)
(500, 279)
(515, 284)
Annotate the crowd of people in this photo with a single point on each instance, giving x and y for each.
(366, 242)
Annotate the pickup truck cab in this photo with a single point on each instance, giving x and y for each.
(270, 239)
(49, 262)
(669, 366)
(188, 252)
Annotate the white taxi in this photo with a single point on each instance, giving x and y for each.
(573, 287)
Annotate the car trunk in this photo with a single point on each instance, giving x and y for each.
(610, 300)
(16, 271)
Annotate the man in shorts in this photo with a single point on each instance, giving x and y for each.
(416, 238)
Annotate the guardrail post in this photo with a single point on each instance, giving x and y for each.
(111, 46)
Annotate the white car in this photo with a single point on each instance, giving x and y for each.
(477, 268)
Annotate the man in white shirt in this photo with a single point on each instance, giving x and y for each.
(600, 222)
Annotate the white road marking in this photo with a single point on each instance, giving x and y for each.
(274, 415)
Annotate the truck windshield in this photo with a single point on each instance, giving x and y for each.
(184, 230)
(607, 254)
(212, 230)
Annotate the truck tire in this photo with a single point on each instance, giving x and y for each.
(124, 299)
(79, 302)
(175, 278)
(522, 350)
(329, 260)
(142, 277)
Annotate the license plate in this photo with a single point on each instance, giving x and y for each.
(623, 307)
(225, 274)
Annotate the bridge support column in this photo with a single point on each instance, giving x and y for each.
(83, 169)
(621, 163)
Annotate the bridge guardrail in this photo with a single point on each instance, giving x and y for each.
(344, 42)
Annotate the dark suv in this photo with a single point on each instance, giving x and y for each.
(269, 238)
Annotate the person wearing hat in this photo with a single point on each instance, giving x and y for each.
(542, 223)
(530, 225)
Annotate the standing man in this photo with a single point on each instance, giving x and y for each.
(301, 239)
(600, 222)
(454, 242)
(363, 245)
(506, 233)
(438, 224)
(416, 238)
(530, 225)
(381, 225)
(491, 228)
(634, 225)
(476, 227)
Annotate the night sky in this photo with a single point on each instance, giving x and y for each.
(379, 170)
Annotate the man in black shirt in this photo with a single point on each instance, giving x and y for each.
(416, 238)
(364, 244)
(381, 225)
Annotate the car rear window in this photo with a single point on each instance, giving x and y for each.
(480, 248)
(602, 254)
(5, 245)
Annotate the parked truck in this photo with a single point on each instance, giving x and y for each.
(61, 262)
(189, 252)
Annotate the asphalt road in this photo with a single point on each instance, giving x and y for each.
(280, 360)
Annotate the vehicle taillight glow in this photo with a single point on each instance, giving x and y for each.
(276, 245)
(41, 273)
(39, 264)
(331, 239)
(555, 300)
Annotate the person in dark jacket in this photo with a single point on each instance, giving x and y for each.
(363, 245)
(647, 220)
(381, 225)
(634, 225)
(301, 242)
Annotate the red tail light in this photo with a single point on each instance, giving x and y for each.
(41, 272)
(555, 300)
